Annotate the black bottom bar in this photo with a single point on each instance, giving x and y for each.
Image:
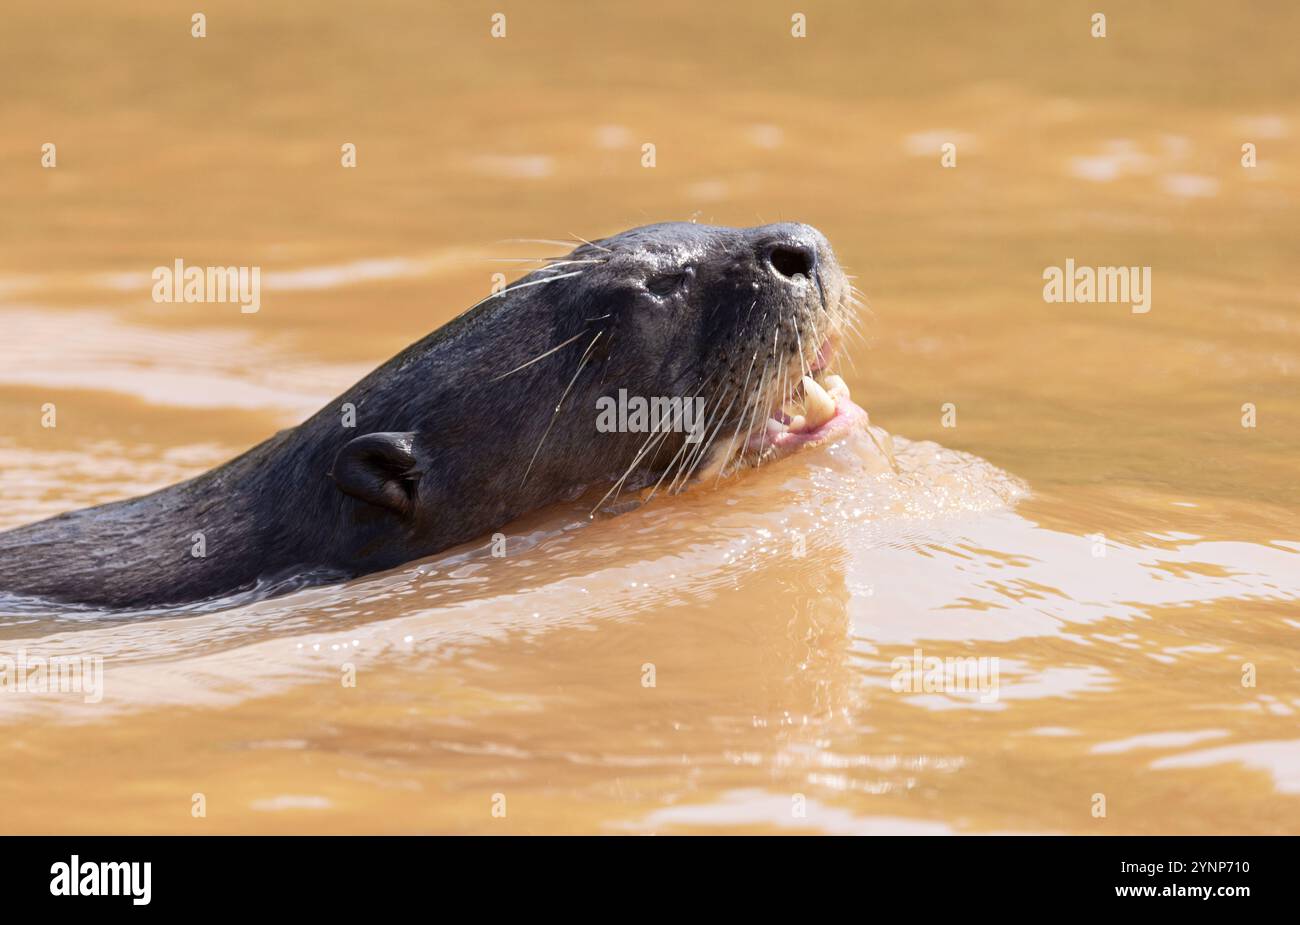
(333, 874)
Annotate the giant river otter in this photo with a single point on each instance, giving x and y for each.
(725, 335)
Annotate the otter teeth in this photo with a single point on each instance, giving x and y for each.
(818, 406)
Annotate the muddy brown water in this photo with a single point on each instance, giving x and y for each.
(1098, 520)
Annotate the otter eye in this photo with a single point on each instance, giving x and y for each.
(666, 283)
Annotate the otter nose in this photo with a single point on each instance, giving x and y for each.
(790, 250)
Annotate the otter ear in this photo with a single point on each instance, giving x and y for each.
(380, 469)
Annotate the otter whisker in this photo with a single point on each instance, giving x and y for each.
(759, 404)
(560, 404)
(556, 242)
(744, 408)
(780, 390)
(667, 469)
(549, 261)
(758, 393)
(590, 244)
(536, 282)
(780, 395)
(853, 327)
(763, 413)
(655, 439)
(842, 322)
(785, 389)
(803, 360)
(697, 453)
(821, 290)
(852, 318)
(680, 450)
(539, 357)
(858, 298)
(702, 453)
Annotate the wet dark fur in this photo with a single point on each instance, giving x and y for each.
(691, 310)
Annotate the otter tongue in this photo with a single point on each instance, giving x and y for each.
(819, 407)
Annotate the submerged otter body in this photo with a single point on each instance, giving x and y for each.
(489, 417)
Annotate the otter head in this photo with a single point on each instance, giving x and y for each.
(714, 346)
(646, 358)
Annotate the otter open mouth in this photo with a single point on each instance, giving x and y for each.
(816, 411)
